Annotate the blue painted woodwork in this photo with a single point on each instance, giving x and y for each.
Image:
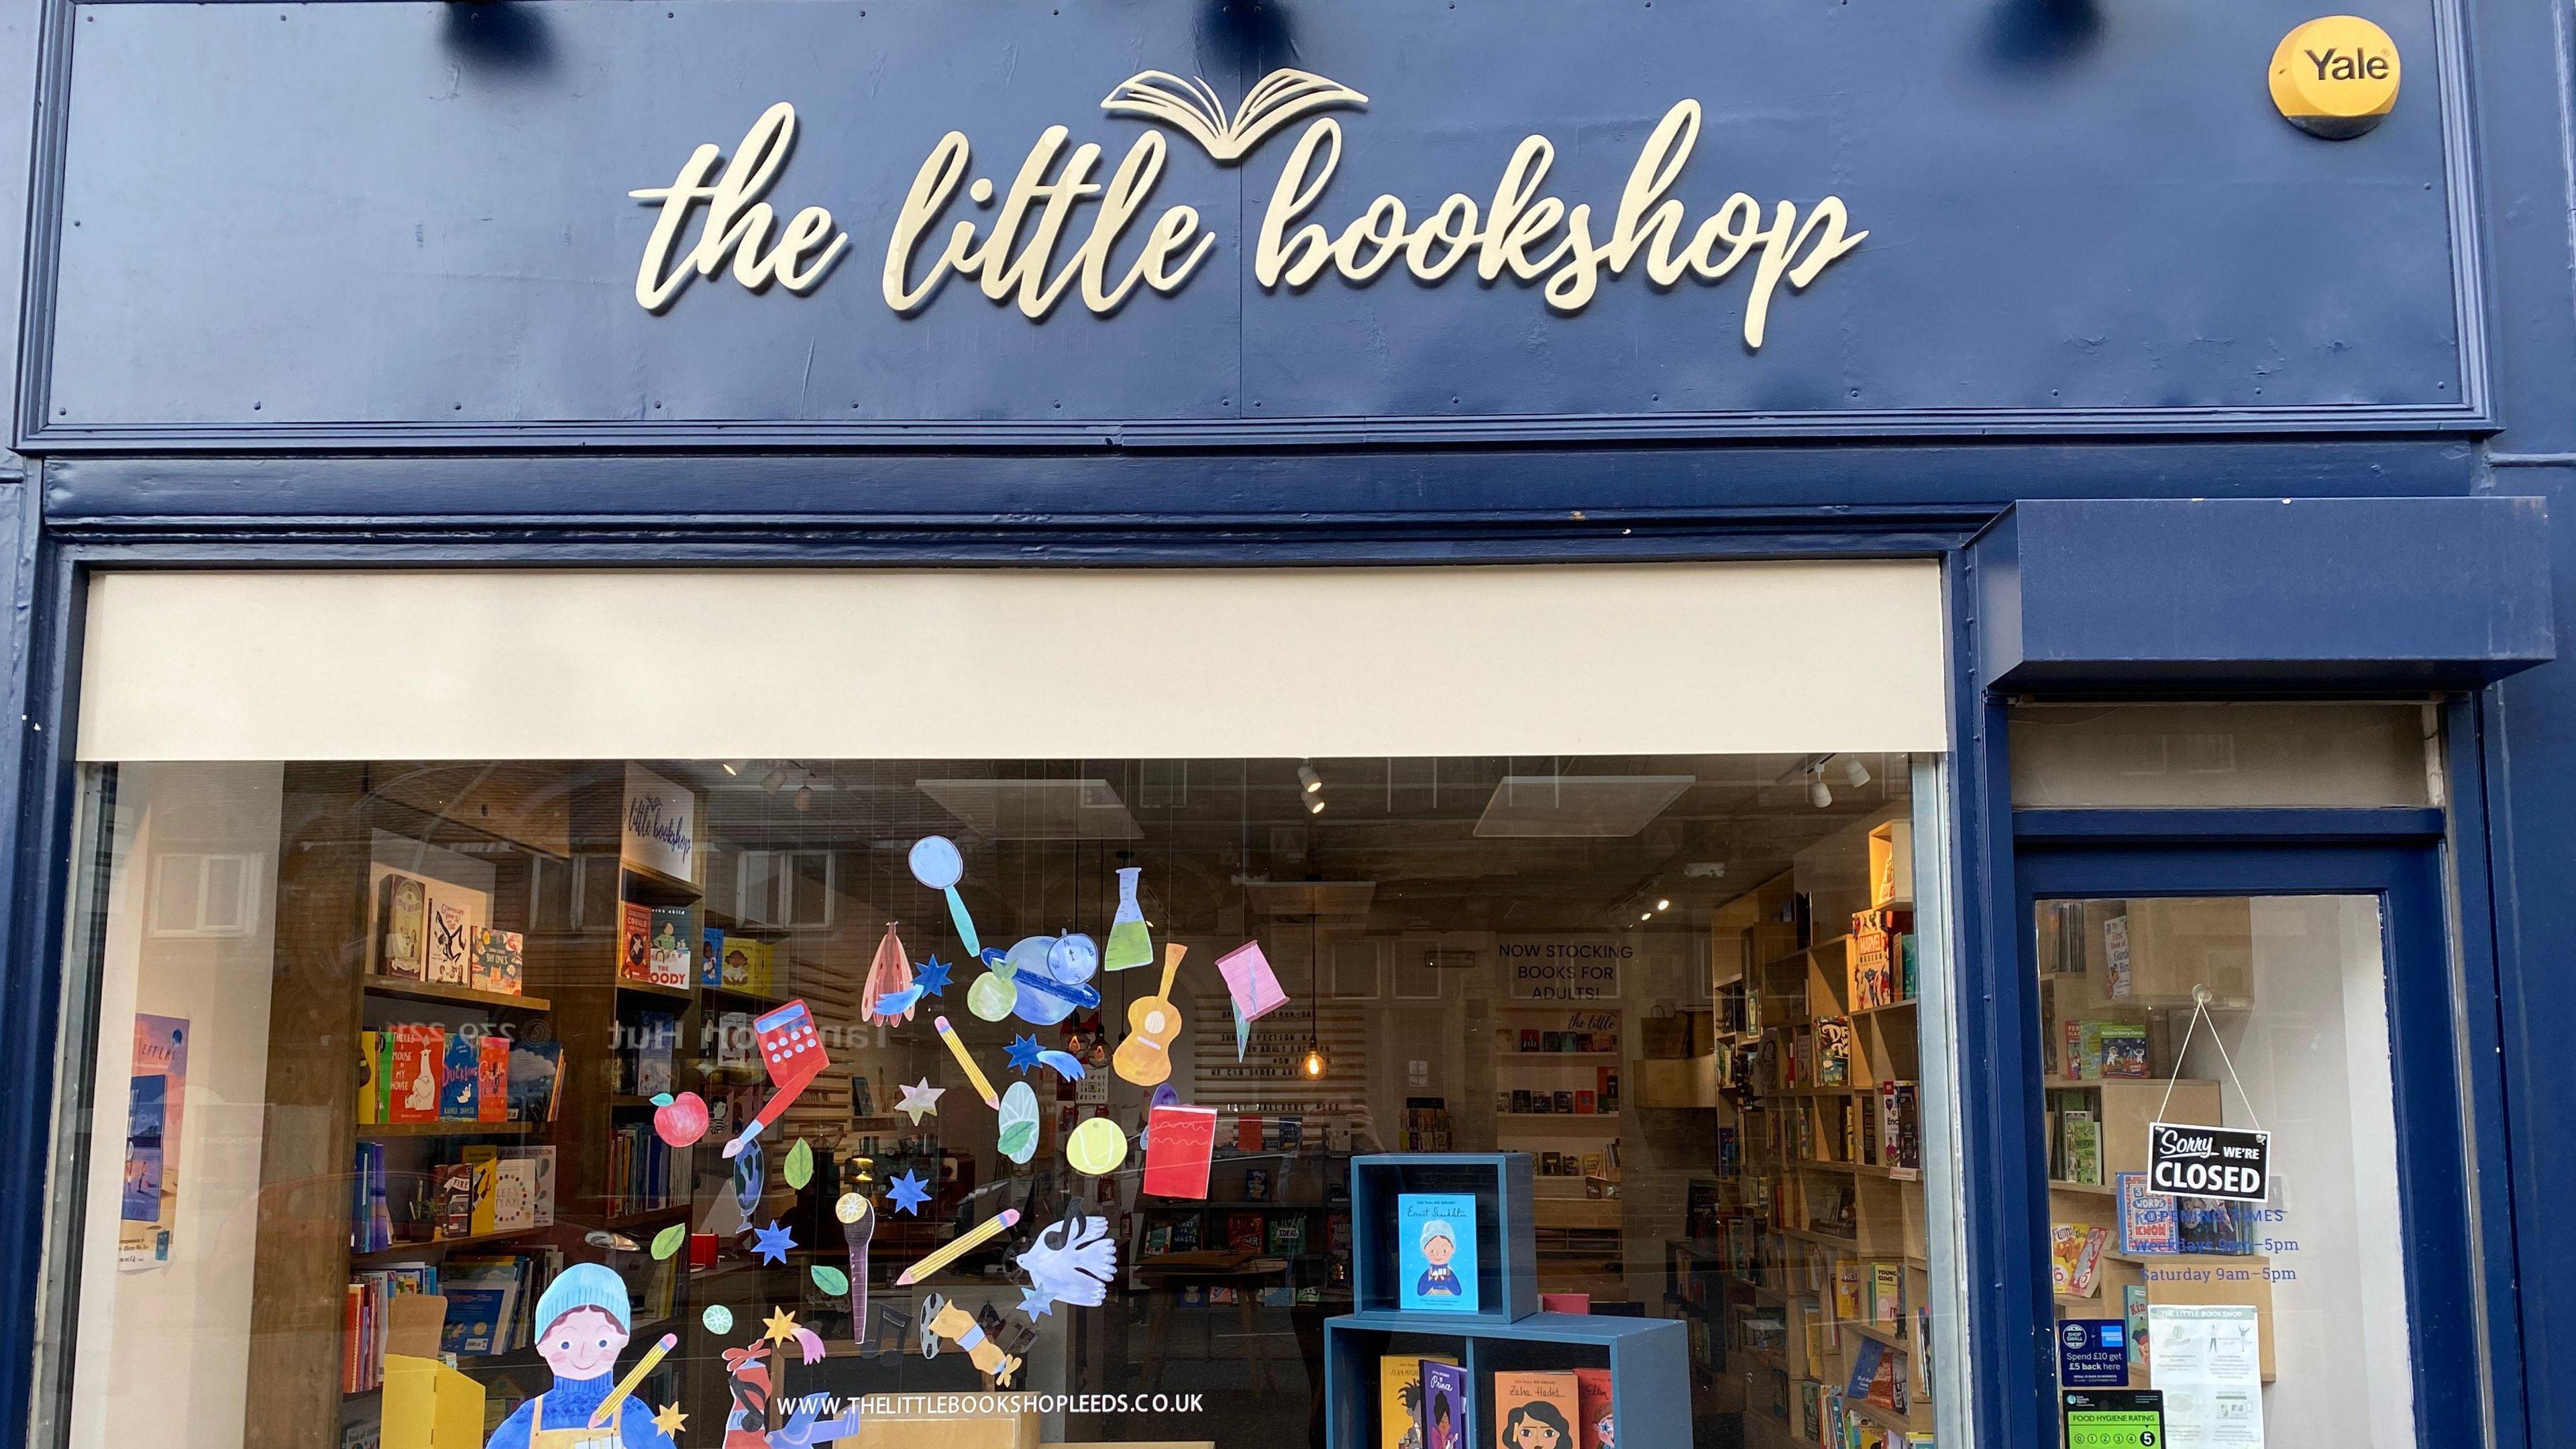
(2323, 593)
(405, 224)
(1506, 1238)
(1648, 1358)
(2443, 1204)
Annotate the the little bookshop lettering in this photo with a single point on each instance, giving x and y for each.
(1003, 234)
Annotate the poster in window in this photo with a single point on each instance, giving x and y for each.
(154, 1097)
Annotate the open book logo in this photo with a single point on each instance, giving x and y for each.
(1191, 107)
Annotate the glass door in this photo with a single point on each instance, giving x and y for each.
(2250, 1144)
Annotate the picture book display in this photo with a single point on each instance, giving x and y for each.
(450, 961)
(402, 926)
(1401, 1411)
(499, 961)
(1537, 1410)
(1597, 1429)
(1444, 1405)
(1436, 1252)
(673, 945)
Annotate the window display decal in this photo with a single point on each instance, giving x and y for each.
(1250, 981)
(1049, 978)
(586, 1321)
(670, 1421)
(858, 1226)
(909, 1193)
(920, 1100)
(750, 1179)
(1063, 1064)
(155, 1096)
(1145, 1057)
(1180, 1147)
(794, 1056)
(1023, 1053)
(717, 1318)
(1097, 1148)
(966, 1061)
(681, 1120)
(1016, 1133)
(958, 1247)
(1073, 1262)
(773, 1243)
(936, 864)
(799, 1167)
(944, 1319)
(931, 976)
(2126, 1419)
(667, 1242)
(890, 994)
(1131, 940)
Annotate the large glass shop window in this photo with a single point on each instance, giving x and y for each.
(1379, 1103)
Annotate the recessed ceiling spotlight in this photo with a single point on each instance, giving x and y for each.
(1663, 903)
(734, 767)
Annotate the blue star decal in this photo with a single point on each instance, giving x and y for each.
(1024, 1054)
(909, 1192)
(1035, 1303)
(931, 976)
(772, 1242)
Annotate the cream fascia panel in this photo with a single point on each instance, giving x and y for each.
(1014, 663)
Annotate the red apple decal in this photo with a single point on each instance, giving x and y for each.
(679, 1120)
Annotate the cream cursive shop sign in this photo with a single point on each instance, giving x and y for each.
(1009, 242)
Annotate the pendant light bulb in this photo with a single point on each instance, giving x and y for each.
(1854, 771)
(1313, 1065)
(804, 797)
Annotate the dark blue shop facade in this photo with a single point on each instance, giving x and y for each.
(2189, 419)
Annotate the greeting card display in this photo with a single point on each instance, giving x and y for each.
(1436, 1252)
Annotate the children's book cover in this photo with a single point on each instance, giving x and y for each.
(1596, 1430)
(1400, 1408)
(499, 961)
(711, 954)
(402, 926)
(451, 941)
(1536, 1410)
(1436, 1247)
(460, 1089)
(419, 1051)
(492, 1085)
(635, 942)
(1444, 1405)
(674, 945)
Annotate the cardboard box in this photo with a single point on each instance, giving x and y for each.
(429, 1405)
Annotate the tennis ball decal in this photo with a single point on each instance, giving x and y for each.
(2335, 77)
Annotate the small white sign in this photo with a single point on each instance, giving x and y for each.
(659, 829)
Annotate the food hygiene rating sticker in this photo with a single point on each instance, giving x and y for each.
(2335, 77)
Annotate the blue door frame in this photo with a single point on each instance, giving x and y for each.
(2442, 1048)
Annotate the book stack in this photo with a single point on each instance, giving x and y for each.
(1882, 948)
(492, 1300)
(640, 1176)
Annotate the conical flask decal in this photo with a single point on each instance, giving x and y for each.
(1130, 944)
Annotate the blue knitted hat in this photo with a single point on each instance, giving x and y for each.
(583, 1285)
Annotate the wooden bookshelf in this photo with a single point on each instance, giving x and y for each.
(397, 986)
(383, 1131)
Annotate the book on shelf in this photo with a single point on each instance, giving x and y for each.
(657, 1044)
(491, 1078)
(419, 1055)
(450, 958)
(1833, 1051)
(500, 961)
(1598, 1427)
(2150, 1221)
(1551, 1399)
(1848, 1290)
(1288, 1235)
(2123, 1046)
(402, 926)
(1436, 1261)
(635, 942)
(375, 1071)
(1399, 1399)
(2083, 1151)
(1876, 1376)
(536, 1080)
(2075, 1258)
(1445, 1388)
(460, 1082)
(1185, 1235)
(1887, 1297)
(1243, 1233)
(1900, 1129)
(1158, 1239)
(1256, 1184)
(748, 965)
(674, 945)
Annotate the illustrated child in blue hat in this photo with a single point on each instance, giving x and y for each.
(1439, 1245)
(585, 1324)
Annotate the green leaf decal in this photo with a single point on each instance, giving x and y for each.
(668, 1241)
(831, 1280)
(800, 1164)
